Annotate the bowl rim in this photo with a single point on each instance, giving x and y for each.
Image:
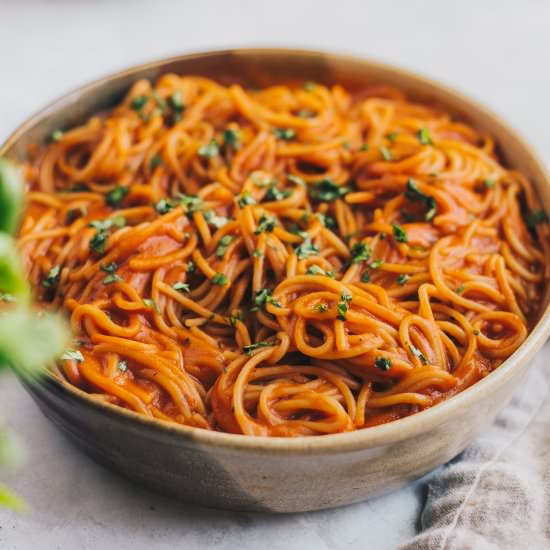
(375, 436)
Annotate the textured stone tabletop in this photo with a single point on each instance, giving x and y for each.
(496, 51)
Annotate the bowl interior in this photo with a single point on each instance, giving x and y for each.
(263, 67)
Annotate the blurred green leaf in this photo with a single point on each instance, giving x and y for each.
(12, 279)
(11, 196)
(8, 499)
(30, 340)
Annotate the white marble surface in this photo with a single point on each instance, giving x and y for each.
(497, 51)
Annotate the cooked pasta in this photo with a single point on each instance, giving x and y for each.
(292, 261)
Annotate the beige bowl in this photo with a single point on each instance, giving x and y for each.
(283, 475)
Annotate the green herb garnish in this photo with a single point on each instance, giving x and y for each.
(246, 198)
(109, 268)
(375, 264)
(417, 353)
(156, 160)
(72, 355)
(56, 136)
(326, 190)
(52, 277)
(263, 297)
(114, 197)
(413, 193)
(402, 279)
(122, 366)
(257, 253)
(489, 183)
(112, 278)
(321, 308)
(223, 245)
(150, 303)
(360, 252)
(285, 134)
(399, 234)
(231, 138)
(139, 102)
(342, 306)
(382, 363)
(385, 152)
(266, 224)
(164, 206)
(211, 149)
(181, 287)
(534, 217)
(424, 136)
(253, 347)
(219, 279)
(307, 248)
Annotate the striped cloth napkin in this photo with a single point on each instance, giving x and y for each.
(496, 494)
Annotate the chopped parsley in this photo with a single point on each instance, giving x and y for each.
(253, 347)
(191, 266)
(156, 160)
(342, 306)
(489, 183)
(109, 268)
(191, 203)
(417, 353)
(223, 245)
(266, 224)
(181, 287)
(122, 366)
(219, 279)
(72, 355)
(56, 136)
(402, 279)
(211, 149)
(314, 269)
(231, 138)
(139, 102)
(360, 252)
(176, 103)
(326, 190)
(164, 206)
(385, 152)
(365, 278)
(534, 217)
(257, 253)
(274, 194)
(98, 241)
(112, 278)
(150, 303)
(327, 221)
(413, 193)
(459, 289)
(212, 219)
(382, 363)
(286, 134)
(263, 297)
(234, 318)
(307, 248)
(392, 136)
(246, 198)
(399, 234)
(375, 264)
(52, 277)
(114, 197)
(424, 136)
(321, 308)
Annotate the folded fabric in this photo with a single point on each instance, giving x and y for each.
(496, 494)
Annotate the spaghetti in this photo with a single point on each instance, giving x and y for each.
(292, 261)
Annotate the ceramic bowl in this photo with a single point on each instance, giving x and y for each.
(240, 472)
